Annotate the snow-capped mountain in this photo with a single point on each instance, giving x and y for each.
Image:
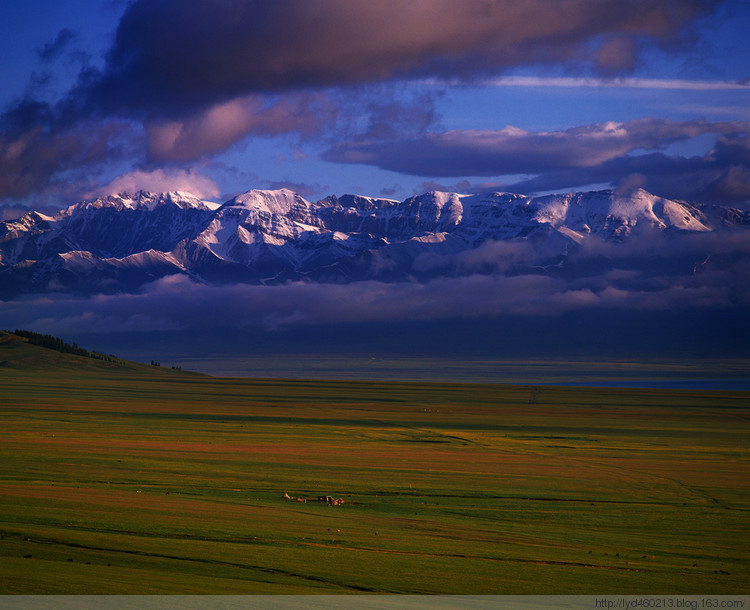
(117, 243)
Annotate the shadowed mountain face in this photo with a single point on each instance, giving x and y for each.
(118, 243)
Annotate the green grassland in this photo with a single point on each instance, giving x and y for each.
(123, 478)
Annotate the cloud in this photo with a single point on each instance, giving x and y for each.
(202, 97)
(461, 186)
(654, 293)
(250, 47)
(160, 180)
(11, 212)
(491, 257)
(253, 47)
(389, 116)
(733, 184)
(610, 152)
(54, 49)
(650, 273)
(304, 189)
(512, 150)
(178, 304)
(33, 158)
(192, 78)
(697, 179)
(223, 125)
(616, 83)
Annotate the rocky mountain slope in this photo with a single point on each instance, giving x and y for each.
(117, 243)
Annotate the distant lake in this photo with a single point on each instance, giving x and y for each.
(728, 375)
(729, 385)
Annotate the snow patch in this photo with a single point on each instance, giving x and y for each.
(280, 201)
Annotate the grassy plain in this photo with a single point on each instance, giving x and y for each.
(129, 479)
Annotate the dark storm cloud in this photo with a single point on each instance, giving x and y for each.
(177, 303)
(34, 158)
(699, 179)
(198, 71)
(195, 75)
(589, 154)
(516, 151)
(169, 53)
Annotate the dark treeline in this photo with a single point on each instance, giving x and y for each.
(59, 345)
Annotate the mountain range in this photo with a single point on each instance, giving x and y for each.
(119, 242)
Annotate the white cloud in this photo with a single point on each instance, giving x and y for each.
(160, 180)
(616, 83)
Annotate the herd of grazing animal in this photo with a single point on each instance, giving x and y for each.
(329, 500)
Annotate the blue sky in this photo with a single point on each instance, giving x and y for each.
(382, 99)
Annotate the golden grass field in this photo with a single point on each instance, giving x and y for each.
(131, 479)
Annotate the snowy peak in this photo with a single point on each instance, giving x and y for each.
(141, 200)
(358, 203)
(118, 242)
(438, 210)
(281, 202)
(611, 214)
(643, 207)
(28, 222)
(180, 199)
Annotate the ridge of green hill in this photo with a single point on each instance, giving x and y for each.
(18, 353)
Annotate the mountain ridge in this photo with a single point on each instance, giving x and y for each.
(119, 242)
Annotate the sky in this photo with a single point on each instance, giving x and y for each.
(389, 99)
(385, 98)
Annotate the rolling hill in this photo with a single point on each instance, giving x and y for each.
(20, 355)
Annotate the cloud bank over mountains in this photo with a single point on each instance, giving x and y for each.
(642, 311)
